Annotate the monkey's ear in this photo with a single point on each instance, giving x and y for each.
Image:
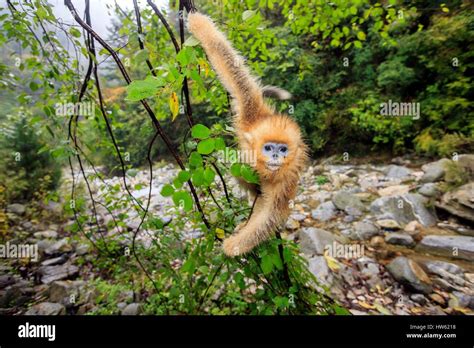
(276, 93)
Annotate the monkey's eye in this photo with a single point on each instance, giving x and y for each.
(268, 148)
(283, 149)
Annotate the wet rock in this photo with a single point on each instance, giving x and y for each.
(313, 241)
(47, 308)
(400, 239)
(348, 202)
(324, 212)
(16, 208)
(459, 247)
(434, 171)
(459, 202)
(132, 309)
(410, 274)
(403, 209)
(364, 230)
(58, 272)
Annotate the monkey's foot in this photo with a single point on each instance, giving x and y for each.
(232, 246)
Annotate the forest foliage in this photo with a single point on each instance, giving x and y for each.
(339, 59)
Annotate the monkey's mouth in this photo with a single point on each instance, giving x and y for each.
(273, 166)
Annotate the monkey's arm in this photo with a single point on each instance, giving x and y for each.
(230, 67)
(269, 213)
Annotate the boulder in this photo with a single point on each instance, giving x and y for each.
(459, 202)
(16, 208)
(132, 309)
(57, 272)
(47, 308)
(364, 230)
(313, 241)
(348, 202)
(400, 239)
(434, 171)
(324, 212)
(458, 247)
(403, 209)
(398, 172)
(410, 274)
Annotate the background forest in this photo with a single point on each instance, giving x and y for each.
(150, 98)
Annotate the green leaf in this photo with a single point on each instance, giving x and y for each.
(361, 35)
(184, 175)
(267, 264)
(191, 41)
(195, 159)
(141, 56)
(141, 89)
(246, 15)
(200, 131)
(183, 199)
(74, 32)
(357, 44)
(198, 177)
(249, 174)
(205, 147)
(167, 190)
(235, 169)
(209, 176)
(220, 144)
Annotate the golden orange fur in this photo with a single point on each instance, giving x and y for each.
(256, 124)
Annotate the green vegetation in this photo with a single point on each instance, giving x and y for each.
(341, 60)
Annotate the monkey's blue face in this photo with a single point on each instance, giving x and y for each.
(275, 154)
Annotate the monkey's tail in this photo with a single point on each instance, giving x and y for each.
(229, 65)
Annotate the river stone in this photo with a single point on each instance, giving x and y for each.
(60, 247)
(458, 247)
(348, 202)
(16, 208)
(324, 212)
(47, 308)
(435, 266)
(400, 239)
(403, 209)
(46, 234)
(318, 266)
(394, 190)
(434, 171)
(429, 189)
(364, 230)
(132, 309)
(409, 273)
(314, 240)
(459, 202)
(57, 272)
(398, 172)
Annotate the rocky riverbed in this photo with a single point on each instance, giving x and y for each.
(391, 238)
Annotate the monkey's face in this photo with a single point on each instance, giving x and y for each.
(274, 154)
